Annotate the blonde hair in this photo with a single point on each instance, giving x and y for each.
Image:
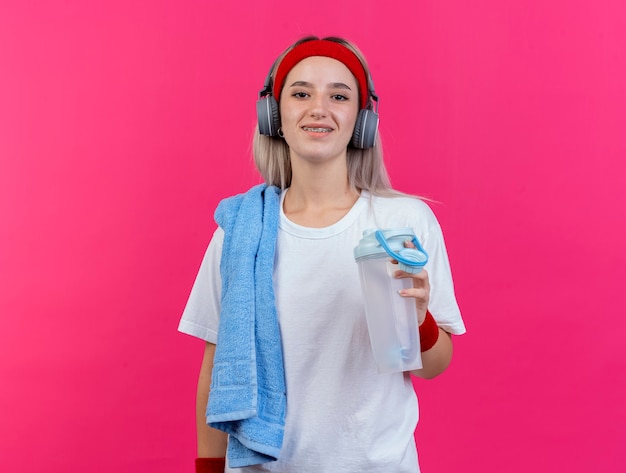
(366, 168)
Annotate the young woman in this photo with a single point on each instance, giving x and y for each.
(288, 372)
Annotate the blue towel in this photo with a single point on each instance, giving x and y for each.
(247, 399)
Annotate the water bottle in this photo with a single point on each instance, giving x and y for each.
(391, 319)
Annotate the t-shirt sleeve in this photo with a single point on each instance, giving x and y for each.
(443, 304)
(201, 315)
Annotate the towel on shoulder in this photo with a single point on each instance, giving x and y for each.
(247, 398)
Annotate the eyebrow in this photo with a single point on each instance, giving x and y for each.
(333, 85)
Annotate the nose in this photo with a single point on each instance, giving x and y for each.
(318, 106)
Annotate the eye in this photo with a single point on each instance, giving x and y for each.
(339, 97)
(300, 95)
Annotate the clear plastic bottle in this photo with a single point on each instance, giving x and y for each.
(391, 319)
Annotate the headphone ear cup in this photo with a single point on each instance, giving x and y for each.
(365, 130)
(268, 116)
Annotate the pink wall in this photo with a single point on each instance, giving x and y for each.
(123, 123)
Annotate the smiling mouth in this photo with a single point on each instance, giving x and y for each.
(317, 129)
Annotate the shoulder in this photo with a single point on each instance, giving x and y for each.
(233, 202)
(410, 208)
(229, 207)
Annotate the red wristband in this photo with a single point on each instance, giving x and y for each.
(210, 465)
(429, 332)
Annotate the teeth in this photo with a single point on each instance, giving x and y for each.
(317, 130)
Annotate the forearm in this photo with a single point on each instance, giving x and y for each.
(211, 442)
(436, 359)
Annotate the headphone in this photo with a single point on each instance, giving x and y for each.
(365, 129)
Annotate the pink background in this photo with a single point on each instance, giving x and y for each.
(122, 123)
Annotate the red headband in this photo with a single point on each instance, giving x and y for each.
(326, 48)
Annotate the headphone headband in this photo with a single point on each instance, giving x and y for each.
(326, 48)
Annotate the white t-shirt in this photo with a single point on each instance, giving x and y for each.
(342, 415)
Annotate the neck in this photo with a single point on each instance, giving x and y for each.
(319, 195)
